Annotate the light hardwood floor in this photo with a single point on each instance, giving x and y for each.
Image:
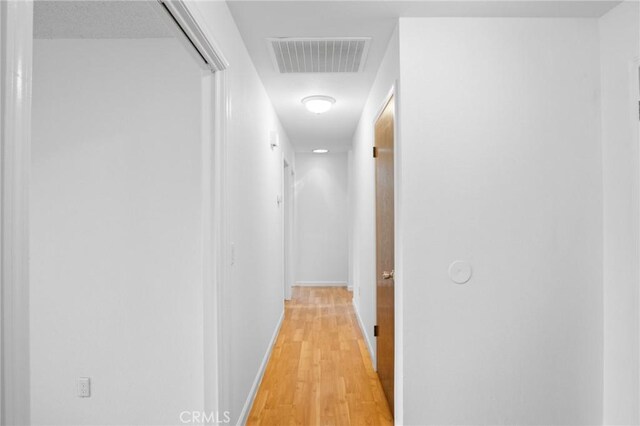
(320, 372)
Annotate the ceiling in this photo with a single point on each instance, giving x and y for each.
(263, 19)
(260, 20)
(54, 19)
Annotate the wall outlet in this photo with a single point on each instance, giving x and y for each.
(84, 387)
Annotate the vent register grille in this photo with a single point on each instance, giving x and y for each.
(319, 55)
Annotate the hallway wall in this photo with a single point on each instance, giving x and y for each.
(253, 292)
(116, 289)
(322, 217)
(501, 166)
(253, 288)
(619, 48)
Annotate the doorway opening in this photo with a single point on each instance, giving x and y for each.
(288, 215)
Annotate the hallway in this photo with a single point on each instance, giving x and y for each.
(320, 371)
(315, 212)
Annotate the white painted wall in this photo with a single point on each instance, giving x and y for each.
(116, 288)
(253, 291)
(501, 166)
(619, 48)
(322, 219)
(363, 214)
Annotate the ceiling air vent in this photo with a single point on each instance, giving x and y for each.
(319, 55)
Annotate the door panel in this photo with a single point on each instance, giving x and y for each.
(385, 239)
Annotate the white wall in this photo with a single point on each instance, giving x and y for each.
(501, 167)
(116, 291)
(253, 291)
(322, 219)
(619, 47)
(363, 214)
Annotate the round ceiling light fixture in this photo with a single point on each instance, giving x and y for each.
(320, 151)
(318, 103)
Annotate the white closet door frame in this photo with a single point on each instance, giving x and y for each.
(634, 85)
(16, 41)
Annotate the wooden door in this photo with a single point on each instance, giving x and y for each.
(384, 152)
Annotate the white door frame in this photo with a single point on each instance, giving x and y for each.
(218, 257)
(634, 84)
(16, 52)
(213, 220)
(16, 45)
(287, 225)
(398, 261)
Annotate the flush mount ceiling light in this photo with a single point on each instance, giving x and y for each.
(318, 104)
(320, 151)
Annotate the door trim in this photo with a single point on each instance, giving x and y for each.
(219, 258)
(214, 112)
(634, 83)
(16, 47)
(288, 176)
(195, 38)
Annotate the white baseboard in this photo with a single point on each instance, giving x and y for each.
(256, 382)
(321, 283)
(365, 334)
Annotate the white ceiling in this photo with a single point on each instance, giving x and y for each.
(258, 21)
(262, 19)
(97, 19)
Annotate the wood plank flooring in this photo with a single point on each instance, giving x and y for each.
(320, 372)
